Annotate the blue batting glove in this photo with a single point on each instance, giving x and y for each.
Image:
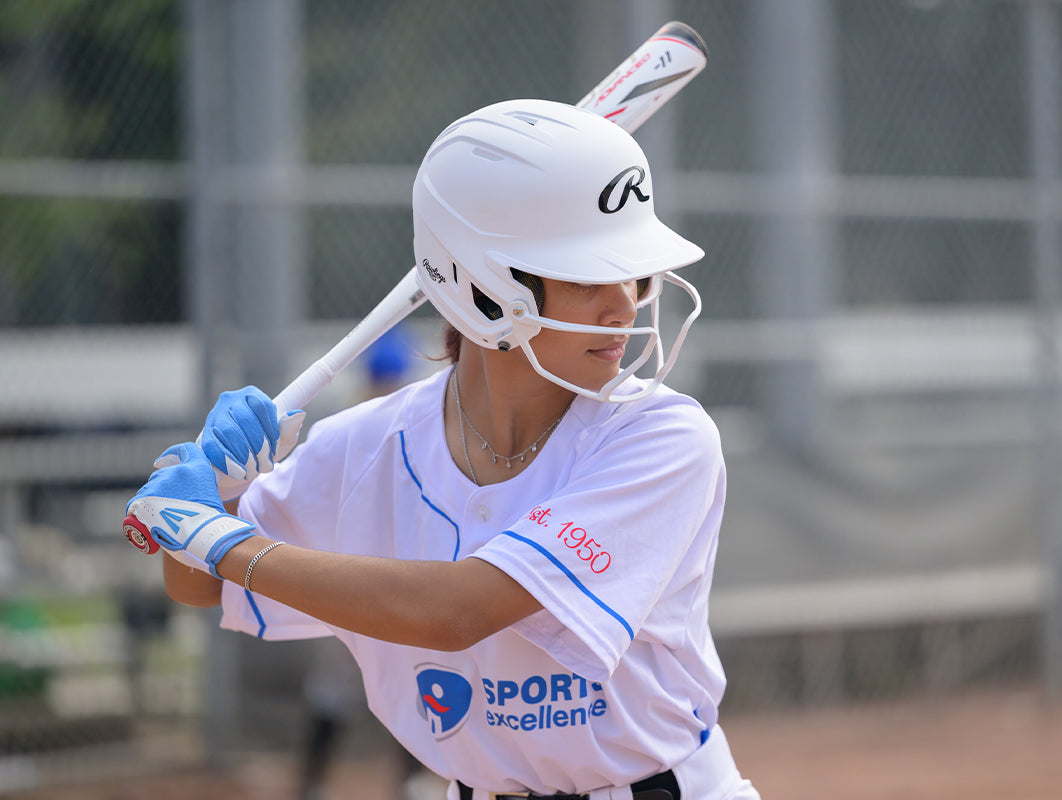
(243, 439)
(181, 508)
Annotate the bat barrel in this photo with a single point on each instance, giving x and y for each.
(680, 30)
(651, 76)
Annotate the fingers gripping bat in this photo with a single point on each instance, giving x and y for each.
(628, 96)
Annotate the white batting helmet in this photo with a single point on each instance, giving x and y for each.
(528, 189)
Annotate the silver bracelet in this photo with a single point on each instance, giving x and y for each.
(250, 567)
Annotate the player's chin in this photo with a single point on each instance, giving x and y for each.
(597, 373)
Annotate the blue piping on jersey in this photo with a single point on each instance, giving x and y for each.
(431, 505)
(257, 613)
(573, 579)
(706, 732)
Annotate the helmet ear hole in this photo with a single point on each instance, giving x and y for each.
(486, 306)
(532, 282)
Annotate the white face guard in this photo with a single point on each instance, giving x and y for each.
(550, 191)
(528, 323)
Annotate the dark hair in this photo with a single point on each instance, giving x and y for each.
(452, 339)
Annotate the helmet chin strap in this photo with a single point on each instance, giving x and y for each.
(653, 345)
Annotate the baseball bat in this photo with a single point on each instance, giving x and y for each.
(628, 96)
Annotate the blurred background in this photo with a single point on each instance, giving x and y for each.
(200, 194)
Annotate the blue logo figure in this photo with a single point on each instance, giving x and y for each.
(445, 697)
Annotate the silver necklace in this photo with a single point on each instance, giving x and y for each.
(464, 444)
(532, 448)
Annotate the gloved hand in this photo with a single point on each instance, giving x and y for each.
(242, 439)
(181, 509)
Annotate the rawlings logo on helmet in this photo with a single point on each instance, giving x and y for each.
(433, 273)
(635, 176)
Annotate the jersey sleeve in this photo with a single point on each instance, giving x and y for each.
(295, 503)
(605, 549)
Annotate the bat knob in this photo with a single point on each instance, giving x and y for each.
(139, 536)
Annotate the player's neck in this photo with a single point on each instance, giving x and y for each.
(509, 407)
(494, 428)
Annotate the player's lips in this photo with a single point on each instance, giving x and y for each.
(611, 352)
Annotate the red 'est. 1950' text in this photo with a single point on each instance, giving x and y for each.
(576, 539)
(586, 548)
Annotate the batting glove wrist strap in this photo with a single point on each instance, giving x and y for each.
(189, 560)
(185, 526)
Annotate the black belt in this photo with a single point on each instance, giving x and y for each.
(658, 787)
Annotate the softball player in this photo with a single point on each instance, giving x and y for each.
(518, 550)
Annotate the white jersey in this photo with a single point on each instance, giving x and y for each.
(613, 528)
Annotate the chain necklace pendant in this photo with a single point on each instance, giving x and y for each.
(533, 448)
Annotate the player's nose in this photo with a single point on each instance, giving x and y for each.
(619, 304)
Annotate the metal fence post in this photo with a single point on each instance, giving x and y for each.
(1042, 31)
(244, 142)
(793, 136)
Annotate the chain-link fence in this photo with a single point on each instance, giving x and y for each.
(198, 194)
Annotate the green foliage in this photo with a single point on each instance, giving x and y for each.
(383, 77)
(86, 261)
(90, 80)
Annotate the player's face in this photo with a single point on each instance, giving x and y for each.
(587, 359)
